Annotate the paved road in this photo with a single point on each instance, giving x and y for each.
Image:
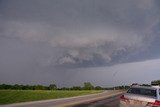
(108, 102)
(90, 100)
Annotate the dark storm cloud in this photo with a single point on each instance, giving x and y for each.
(49, 36)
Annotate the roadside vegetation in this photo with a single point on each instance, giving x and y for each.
(15, 96)
(23, 93)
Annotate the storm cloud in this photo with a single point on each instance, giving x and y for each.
(53, 38)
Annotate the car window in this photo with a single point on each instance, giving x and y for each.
(143, 91)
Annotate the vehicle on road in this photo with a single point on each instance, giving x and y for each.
(141, 96)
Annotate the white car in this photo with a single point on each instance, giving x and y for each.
(141, 96)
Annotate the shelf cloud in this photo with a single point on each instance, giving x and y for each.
(58, 36)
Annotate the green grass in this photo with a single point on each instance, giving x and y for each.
(15, 96)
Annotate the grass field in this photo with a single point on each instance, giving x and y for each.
(15, 96)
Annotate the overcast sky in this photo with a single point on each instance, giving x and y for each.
(68, 42)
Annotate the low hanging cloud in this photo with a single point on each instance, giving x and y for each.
(94, 47)
(45, 41)
(127, 30)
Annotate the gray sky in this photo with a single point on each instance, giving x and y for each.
(69, 42)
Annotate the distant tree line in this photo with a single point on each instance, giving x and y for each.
(86, 86)
(118, 88)
(155, 82)
(28, 87)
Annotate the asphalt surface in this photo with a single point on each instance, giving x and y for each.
(105, 99)
(108, 102)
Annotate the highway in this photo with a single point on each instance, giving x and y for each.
(104, 99)
(108, 102)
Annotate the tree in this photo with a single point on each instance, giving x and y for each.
(88, 86)
(5, 86)
(155, 82)
(52, 87)
(98, 88)
(76, 88)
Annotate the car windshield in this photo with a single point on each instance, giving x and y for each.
(143, 91)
